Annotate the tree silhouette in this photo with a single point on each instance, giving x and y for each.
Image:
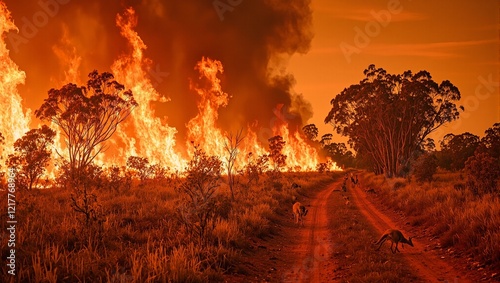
(255, 166)
(456, 149)
(483, 174)
(141, 165)
(326, 139)
(491, 141)
(87, 115)
(32, 155)
(425, 167)
(389, 116)
(429, 145)
(339, 153)
(311, 131)
(276, 145)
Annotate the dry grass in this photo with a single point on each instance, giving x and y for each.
(462, 221)
(141, 238)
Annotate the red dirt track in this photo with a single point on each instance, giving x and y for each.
(304, 254)
(427, 265)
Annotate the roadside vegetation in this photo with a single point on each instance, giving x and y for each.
(452, 191)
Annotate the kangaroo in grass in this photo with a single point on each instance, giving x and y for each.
(299, 211)
(395, 236)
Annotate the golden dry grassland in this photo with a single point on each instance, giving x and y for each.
(144, 232)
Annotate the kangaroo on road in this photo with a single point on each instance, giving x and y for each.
(395, 236)
(299, 211)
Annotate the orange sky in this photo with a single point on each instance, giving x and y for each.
(455, 42)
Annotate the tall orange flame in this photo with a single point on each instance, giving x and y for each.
(144, 134)
(202, 129)
(14, 123)
(67, 54)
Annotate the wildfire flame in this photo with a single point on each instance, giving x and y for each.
(144, 134)
(14, 123)
(150, 137)
(67, 54)
(202, 129)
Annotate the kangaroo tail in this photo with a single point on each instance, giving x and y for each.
(381, 239)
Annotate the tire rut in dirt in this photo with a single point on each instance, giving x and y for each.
(311, 265)
(429, 267)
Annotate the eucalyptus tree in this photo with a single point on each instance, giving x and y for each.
(87, 115)
(388, 116)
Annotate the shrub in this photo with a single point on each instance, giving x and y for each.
(197, 206)
(425, 167)
(482, 173)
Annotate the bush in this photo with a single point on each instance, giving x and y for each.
(425, 167)
(482, 173)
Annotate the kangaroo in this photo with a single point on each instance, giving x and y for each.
(346, 198)
(395, 236)
(299, 211)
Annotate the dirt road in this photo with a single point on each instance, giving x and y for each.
(312, 262)
(310, 253)
(429, 266)
(313, 252)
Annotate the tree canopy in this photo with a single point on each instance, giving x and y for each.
(491, 140)
(456, 149)
(311, 131)
(276, 145)
(32, 155)
(389, 116)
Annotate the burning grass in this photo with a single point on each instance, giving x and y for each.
(142, 236)
(463, 222)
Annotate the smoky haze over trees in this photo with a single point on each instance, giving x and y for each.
(387, 117)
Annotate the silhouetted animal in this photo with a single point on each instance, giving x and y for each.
(299, 211)
(395, 236)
